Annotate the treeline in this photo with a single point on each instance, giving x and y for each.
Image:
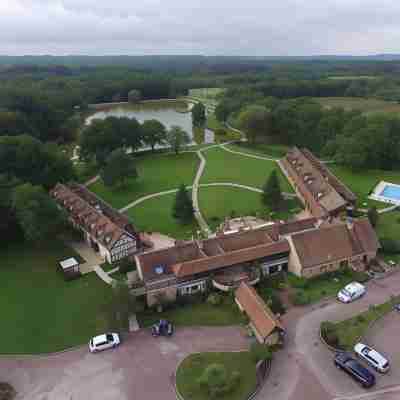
(28, 168)
(349, 137)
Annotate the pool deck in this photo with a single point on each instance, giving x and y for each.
(377, 193)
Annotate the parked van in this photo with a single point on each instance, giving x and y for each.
(351, 292)
(372, 357)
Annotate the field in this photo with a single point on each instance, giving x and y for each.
(155, 215)
(205, 93)
(361, 183)
(157, 173)
(367, 106)
(227, 167)
(353, 77)
(216, 203)
(41, 312)
(193, 366)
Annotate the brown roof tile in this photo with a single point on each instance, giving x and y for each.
(259, 313)
(366, 235)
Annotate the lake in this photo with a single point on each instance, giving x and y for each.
(167, 112)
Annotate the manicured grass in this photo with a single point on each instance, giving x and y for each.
(155, 215)
(157, 173)
(217, 203)
(223, 166)
(192, 367)
(265, 150)
(363, 182)
(196, 314)
(367, 106)
(206, 93)
(214, 125)
(324, 285)
(389, 227)
(41, 312)
(350, 330)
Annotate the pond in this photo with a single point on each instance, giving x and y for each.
(167, 112)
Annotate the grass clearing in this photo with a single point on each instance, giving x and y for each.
(264, 150)
(223, 166)
(157, 172)
(365, 105)
(155, 215)
(192, 367)
(213, 124)
(198, 313)
(41, 312)
(389, 227)
(349, 331)
(217, 203)
(363, 182)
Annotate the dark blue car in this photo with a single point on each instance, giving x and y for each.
(356, 370)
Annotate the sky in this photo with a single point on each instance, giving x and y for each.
(208, 27)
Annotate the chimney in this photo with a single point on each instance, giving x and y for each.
(275, 232)
(349, 217)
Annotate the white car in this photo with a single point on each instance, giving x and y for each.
(372, 357)
(351, 292)
(104, 342)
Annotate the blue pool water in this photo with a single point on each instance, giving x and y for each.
(391, 192)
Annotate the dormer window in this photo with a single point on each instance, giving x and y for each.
(108, 239)
(92, 226)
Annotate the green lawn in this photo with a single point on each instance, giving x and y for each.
(361, 183)
(389, 227)
(197, 314)
(193, 366)
(350, 330)
(367, 106)
(265, 150)
(213, 124)
(223, 166)
(315, 289)
(218, 202)
(155, 215)
(157, 172)
(41, 312)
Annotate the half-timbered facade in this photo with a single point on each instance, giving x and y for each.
(107, 231)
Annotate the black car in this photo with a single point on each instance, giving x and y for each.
(355, 369)
(163, 327)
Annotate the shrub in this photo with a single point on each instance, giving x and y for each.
(260, 352)
(300, 298)
(297, 282)
(215, 299)
(7, 392)
(126, 265)
(215, 380)
(390, 246)
(328, 332)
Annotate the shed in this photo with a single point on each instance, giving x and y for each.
(70, 268)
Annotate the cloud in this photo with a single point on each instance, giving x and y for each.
(252, 27)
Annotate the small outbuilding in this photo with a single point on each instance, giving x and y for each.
(70, 268)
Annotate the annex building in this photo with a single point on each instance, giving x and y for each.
(109, 232)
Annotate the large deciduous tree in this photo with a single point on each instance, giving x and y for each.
(36, 212)
(134, 96)
(177, 138)
(119, 167)
(272, 195)
(198, 114)
(153, 133)
(256, 123)
(183, 209)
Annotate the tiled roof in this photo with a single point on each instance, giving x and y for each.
(90, 218)
(258, 312)
(225, 260)
(240, 240)
(313, 185)
(297, 226)
(334, 242)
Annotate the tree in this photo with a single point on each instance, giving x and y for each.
(121, 305)
(256, 122)
(119, 167)
(7, 392)
(153, 133)
(177, 138)
(373, 216)
(134, 96)
(198, 114)
(272, 195)
(36, 212)
(183, 208)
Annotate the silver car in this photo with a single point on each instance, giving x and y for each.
(372, 357)
(104, 342)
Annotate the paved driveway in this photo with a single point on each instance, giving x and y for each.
(141, 368)
(305, 359)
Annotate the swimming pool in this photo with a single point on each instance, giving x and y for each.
(391, 192)
(386, 192)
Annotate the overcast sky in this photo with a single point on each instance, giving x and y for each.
(209, 27)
